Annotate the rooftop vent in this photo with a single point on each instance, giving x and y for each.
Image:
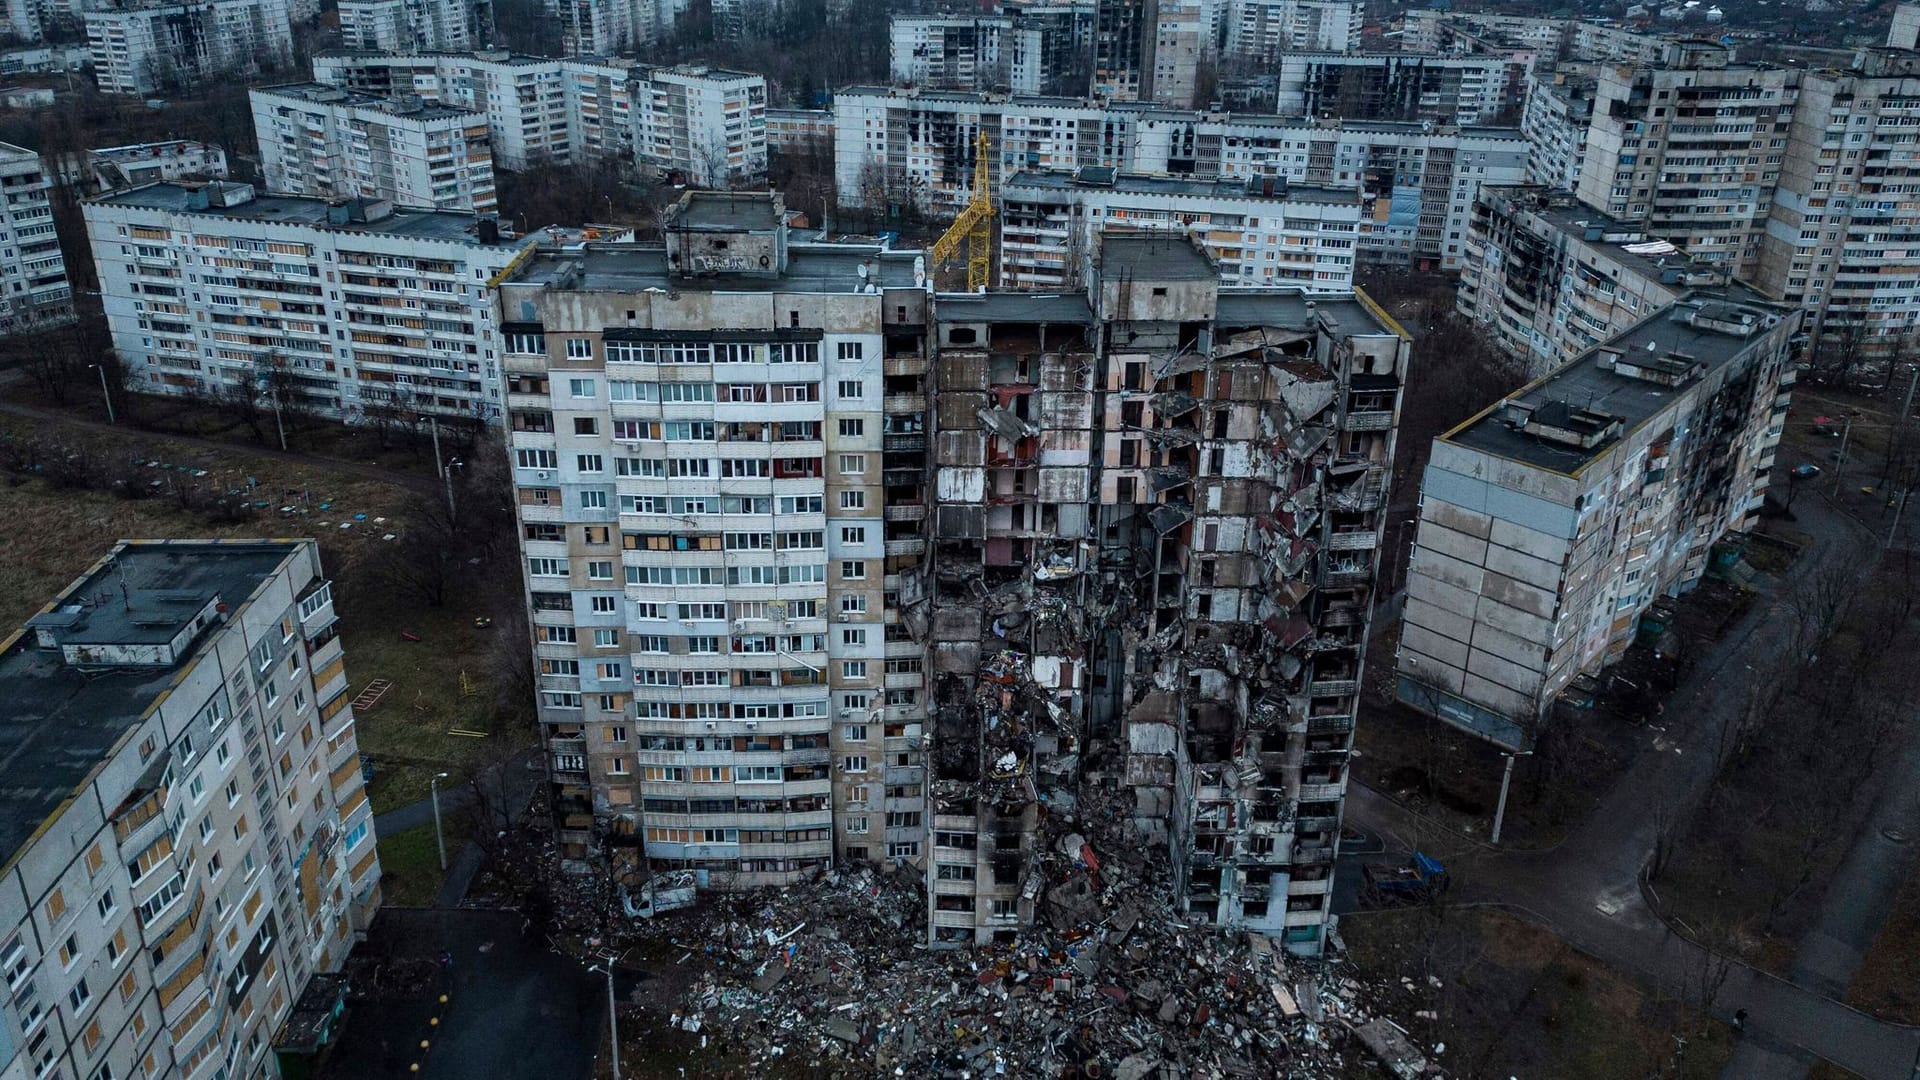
(1558, 422)
(1727, 319)
(1671, 368)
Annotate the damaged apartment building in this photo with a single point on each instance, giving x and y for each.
(826, 568)
(1157, 513)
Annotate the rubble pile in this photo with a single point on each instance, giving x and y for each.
(837, 972)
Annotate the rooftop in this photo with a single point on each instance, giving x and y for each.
(726, 212)
(1013, 306)
(1560, 211)
(1152, 184)
(309, 211)
(1296, 309)
(61, 722)
(1583, 383)
(409, 106)
(615, 267)
(1154, 256)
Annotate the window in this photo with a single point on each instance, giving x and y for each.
(590, 463)
(853, 534)
(853, 669)
(853, 428)
(853, 500)
(80, 994)
(586, 425)
(606, 639)
(544, 567)
(616, 734)
(854, 763)
(612, 670)
(580, 389)
(527, 344)
(853, 464)
(853, 635)
(853, 570)
(579, 348)
(852, 388)
(600, 570)
(106, 906)
(853, 603)
(854, 732)
(593, 500)
(905, 849)
(850, 350)
(605, 605)
(617, 766)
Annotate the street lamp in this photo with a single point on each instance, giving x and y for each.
(1506, 777)
(439, 840)
(453, 516)
(102, 369)
(613, 1017)
(434, 421)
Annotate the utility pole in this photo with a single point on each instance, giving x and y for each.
(1840, 463)
(434, 422)
(433, 790)
(277, 424)
(1895, 527)
(613, 1014)
(453, 516)
(1506, 779)
(102, 369)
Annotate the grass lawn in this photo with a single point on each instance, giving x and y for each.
(410, 873)
(1514, 1000)
(1888, 983)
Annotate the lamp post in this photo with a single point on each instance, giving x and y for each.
(439, 840)
(453, 516)
(613, 1016)
(434, 423)
(104, 394)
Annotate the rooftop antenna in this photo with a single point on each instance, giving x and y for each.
(126, 595)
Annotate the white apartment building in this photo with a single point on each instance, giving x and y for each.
(114, 167)
(1262, 231)
(1558, 112)
(324, 141)
(706, 124)
(1551, 521)
(797, 130)
(1836, 240)
(607, 27)
(408, 25)
(1178, 40)
(1261, 31)
(1691, 148)
(1050, 46)
(196, 849)
(353, 307)
(1400, 86)
(1550, 277)
(698, 430)
(33, 273)
(144, 50)
(1430, 31)
(1417, 180)
(950, 52)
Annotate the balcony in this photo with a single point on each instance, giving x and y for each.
(1322, 792)
(1333, 687)
(1357, 540)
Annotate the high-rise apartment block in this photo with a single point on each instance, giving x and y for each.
(1260, 32)
(1434, 30)
(407, 25)
(1416, 180)
(33, 273)
(1555, 119)
(196, 845)
(950, 52)
(146, 49)
(1399, 86)
(1692, 148)
(348, 308)
(1205, 468)
(1550, 277)
(324, 141)
(1550, 522)
(778, 501)
(707, 125)
(112, 167)
(700, 432)
(1262, 231)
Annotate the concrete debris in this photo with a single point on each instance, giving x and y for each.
(1389, 1043)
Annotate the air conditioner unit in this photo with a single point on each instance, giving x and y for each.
(544, 475)
(846, 616)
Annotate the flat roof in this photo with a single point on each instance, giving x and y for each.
(1154, 184)
(1154, 256)
(310, 211)
(1013, 306)
(628, 267)
(1575, 218)
(1583, 383)
(1294, 308)
(727, 211)
(61, 722)
(409, 106)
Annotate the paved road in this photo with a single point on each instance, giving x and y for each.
(1587, 889)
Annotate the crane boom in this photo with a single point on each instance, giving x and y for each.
(973, 226)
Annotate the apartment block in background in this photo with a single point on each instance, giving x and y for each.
(1156, 513)
(1401, 86)
(1050, 46)
(324, 141)
(704, 435)
(950, 52)
(1416, 181)
(196, 846)
(1555, 119)
(1550, 522)
(354, 308)
(1262, 31)
(149, 49)
(1691, 148)
(406, 25)
(113, 167)
(1550, 277)
(33, 275)
(1262, 231)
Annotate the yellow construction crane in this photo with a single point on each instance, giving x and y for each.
(974, 226)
